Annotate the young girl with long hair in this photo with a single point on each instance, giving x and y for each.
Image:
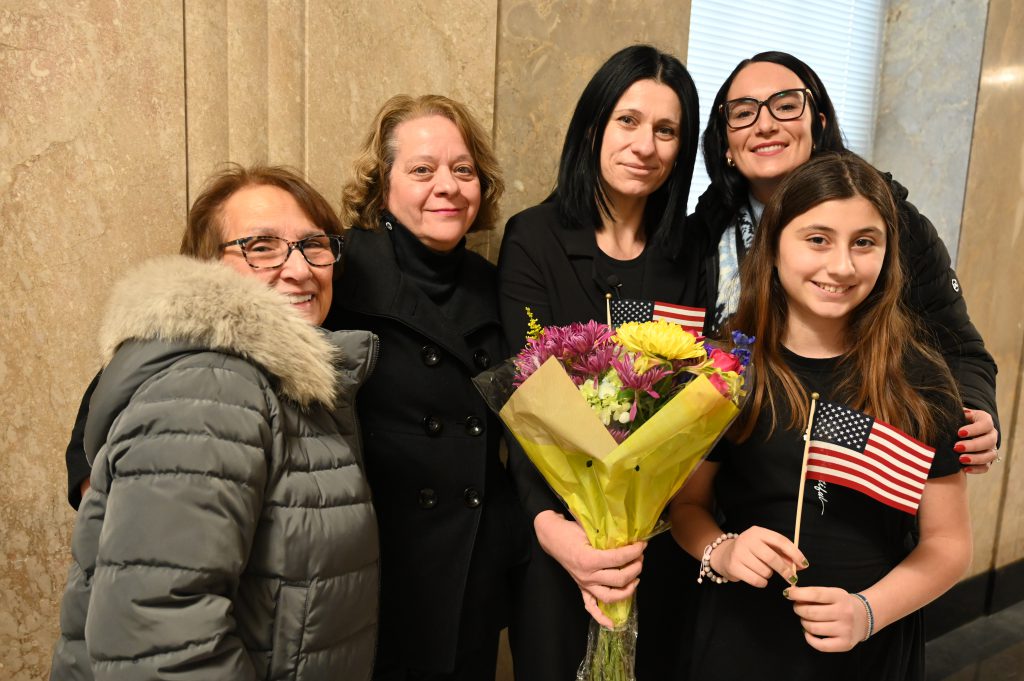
(821, 292)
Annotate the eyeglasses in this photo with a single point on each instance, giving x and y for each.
(270, 252)
(786, 105)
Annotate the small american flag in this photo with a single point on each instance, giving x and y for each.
(690, 318)
(855, 450)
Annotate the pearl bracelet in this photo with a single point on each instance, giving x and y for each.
(705, 561)
(871, 615)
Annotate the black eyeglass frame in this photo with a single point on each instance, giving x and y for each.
(337, 248)
(808, 96)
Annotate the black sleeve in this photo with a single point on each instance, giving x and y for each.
(946, 460)
(721, 451)
(704, 228)
(78, 465)
(521, 285)
(934, 294)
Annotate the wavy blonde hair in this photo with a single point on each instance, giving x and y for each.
(365, 196)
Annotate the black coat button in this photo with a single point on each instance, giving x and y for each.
(432, 425)
(472, 497)
(430, 355)
(481, 359)
(428, 498)
(474, 426)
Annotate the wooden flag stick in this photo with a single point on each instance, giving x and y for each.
(803, 471)
(608, 308)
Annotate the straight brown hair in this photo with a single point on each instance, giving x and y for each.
(204, 231)
(881, 337)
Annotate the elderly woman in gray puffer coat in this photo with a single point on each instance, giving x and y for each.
(228, 532)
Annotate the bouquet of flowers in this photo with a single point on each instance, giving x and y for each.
(616, 421)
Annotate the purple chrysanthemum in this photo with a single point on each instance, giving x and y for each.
(619, 434)
(579, 347)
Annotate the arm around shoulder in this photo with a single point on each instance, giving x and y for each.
(75, 459)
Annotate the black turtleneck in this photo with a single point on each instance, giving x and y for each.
(436, 274)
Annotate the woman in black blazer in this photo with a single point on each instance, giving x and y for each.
(612, 225)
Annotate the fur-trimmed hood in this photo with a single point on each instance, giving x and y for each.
(209, 305)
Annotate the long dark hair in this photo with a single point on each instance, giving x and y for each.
(881, 335)
(727, 182)
(579, 194)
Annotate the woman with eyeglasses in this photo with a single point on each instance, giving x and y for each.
(771, 115)
(451, 527)
(228, 532)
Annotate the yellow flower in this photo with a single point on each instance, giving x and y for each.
(533, 327)
(659, 340)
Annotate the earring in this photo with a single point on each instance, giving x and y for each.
(729, 162)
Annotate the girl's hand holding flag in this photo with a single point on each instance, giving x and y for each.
(755, 555)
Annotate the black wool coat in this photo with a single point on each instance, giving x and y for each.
(451, 528)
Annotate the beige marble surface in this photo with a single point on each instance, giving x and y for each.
(286, 77)
(92, 161)
(547, 53)
(991, 252)
(359, 54)
(927, 92)
(206, 82)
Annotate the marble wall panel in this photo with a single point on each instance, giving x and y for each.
(1010, 539)
(206, 84)
(926, 100)
(547, 52)
(246, 96)
(286, 77)
(92, 167)
(228, 74)
(360, 54)
(245, 86)
(991, 252)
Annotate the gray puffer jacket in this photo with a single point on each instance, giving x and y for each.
(229, 532)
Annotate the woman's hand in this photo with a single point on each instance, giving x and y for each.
(755, 555)
(833, 620)
(977, 449)
(603, 575)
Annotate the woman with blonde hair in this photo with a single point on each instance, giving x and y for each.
(451, 528)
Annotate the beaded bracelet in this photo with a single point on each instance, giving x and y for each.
(705, 561)
(871, 615)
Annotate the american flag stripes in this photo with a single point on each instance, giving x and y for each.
(855, 450)
(690, 318)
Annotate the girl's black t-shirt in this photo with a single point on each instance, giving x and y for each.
(850, 540)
